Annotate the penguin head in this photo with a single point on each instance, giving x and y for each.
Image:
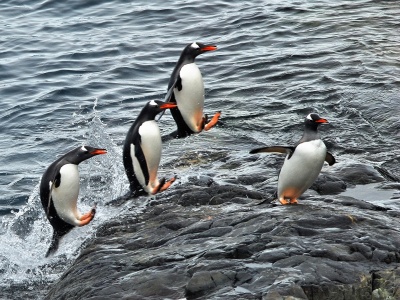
(192, 50)
(313, 120)
(154, 107)
(80, 154)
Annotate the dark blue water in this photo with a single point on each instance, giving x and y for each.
(78, 72)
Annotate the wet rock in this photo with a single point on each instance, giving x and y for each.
(329, 185)
(330, 247)
(201, 180)
(386, 284)
(204, 281)
(359, 174)
(196, 197)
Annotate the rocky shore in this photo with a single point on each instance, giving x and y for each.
(203, 240)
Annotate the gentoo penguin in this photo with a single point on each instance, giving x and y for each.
(59, 189)
(303, 162)
(186, 88)
(142, 151)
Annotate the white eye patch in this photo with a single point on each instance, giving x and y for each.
(153, 103)
(194, 45)
(309, 117)
(83, 148)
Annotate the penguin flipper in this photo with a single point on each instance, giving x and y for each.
(276, 149)
(54, 184)
(142, 161)
(330, 159)
(169, 97)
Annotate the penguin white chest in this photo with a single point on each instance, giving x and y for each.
(300, 171)
(190, 99)
(65, 196)
(151, 147)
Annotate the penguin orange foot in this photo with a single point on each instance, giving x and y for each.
(293, 201)
(88, 217)
(162, 185)
(283, 201)
(88, 214)
(168, 184)
(213, 121)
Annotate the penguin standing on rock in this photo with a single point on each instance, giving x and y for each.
(59, 189)
(303, 162)
(186, 88)
(142, 151)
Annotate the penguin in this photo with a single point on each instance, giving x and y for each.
(303, 162)
(186, 88)
(59, 189)
(142, 151)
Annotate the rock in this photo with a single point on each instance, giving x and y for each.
(359, 174)
(196, 197)
(202, 180)
(386, 284)
(329, 185)
(333, 247)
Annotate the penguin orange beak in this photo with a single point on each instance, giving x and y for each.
(322, 121)
(208, 48)
(168, 105)
(98, 151)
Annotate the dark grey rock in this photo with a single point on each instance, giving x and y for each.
(386, 284)
(329, 185)
(359, 174)
(197, 197)
(334, 247)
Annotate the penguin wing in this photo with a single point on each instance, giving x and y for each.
(169, 97)
(330, 159)
(142, 161)
(55, 183)
(170, 94)
(277, 149)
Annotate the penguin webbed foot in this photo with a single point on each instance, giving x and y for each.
(163, 185)
(213, 121)
(284, 201)
(168, 183)
(86, 218)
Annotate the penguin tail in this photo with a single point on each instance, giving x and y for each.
(55, 241)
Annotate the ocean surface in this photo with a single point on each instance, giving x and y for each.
(78, 72)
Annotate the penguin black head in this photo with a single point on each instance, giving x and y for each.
(82, 153)
(313, 120)
(192, 50)
(154, 107)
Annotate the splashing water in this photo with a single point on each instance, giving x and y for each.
(26, 234)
